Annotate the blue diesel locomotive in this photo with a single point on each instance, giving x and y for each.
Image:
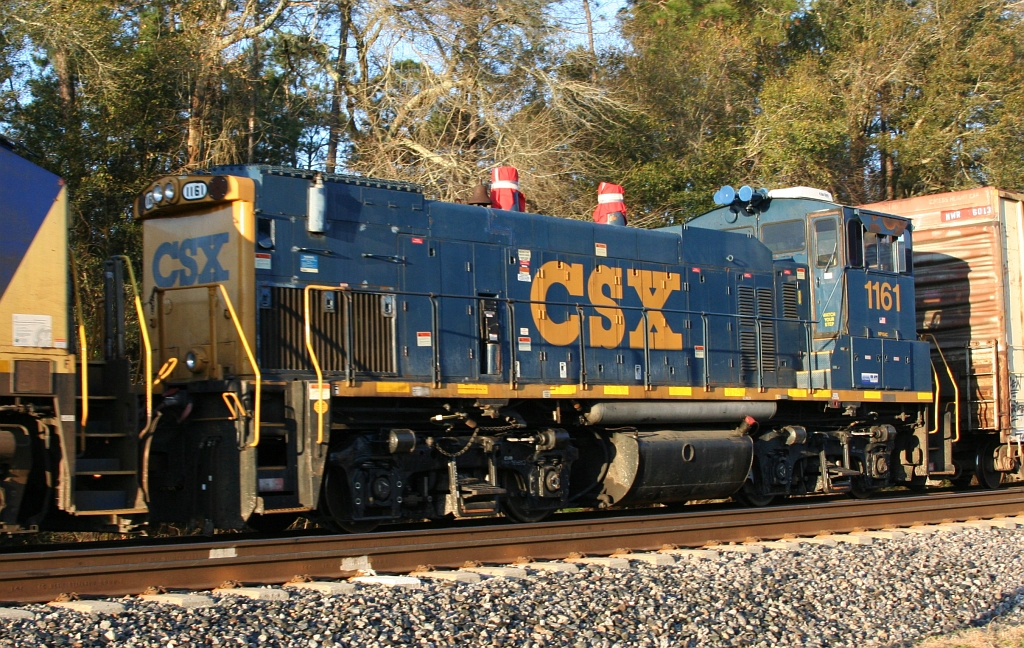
(342, 348)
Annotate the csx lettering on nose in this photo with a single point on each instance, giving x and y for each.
(188, 254)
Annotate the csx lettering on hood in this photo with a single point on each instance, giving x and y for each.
(188, 254)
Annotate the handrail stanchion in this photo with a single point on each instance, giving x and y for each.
(435, 342)
(83, 356)
(956, 387)
(317, 407)
(647, 351)
(583, 349)
(252, 361)
(707, 354)
(145, 339)
(513, 344)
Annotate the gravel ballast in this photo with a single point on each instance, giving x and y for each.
(892, 592)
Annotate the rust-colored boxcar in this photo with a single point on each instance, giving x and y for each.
(968, 268)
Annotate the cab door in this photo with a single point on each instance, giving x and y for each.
(826, 261)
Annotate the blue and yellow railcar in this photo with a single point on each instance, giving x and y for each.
(37, 368)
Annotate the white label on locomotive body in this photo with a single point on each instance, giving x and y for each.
(423, 338)
(32, 330)
(324, 392)
(869, 378)
(194, 191)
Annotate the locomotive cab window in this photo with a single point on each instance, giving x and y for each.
(855, 243)
(904, 254)
(880, 252)
(787, 236)
(265, 233)
(826, 243)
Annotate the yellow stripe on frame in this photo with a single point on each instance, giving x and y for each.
(924, 396)
(562, 390)
(798, 393)
(392, 388)
(680, 391)
(478, 390)
(822, 393)
(735, 391)
(616, 390)
(874, 395)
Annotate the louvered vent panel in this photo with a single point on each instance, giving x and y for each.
(282, 334)
(746, 305)
(766, 310)
(790, 305)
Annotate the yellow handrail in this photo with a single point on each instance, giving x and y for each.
(316, 364)
(252, 361)
(935, 376)
(83, 353)
(165, 371)
(245, 345)
(956, 387)
(145, 339)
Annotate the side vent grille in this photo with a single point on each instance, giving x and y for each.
(766, 310)
(790, 305)
(282, 342)
(746, 305)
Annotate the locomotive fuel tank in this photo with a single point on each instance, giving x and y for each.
(674, 466)
(677, 413)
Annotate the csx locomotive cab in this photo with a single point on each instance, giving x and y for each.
(861, 285)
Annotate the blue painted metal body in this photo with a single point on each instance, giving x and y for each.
(862, 289)
(443, 259)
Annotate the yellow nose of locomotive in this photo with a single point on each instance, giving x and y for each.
(198, 262)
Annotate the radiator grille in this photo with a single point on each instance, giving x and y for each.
(746, 304)
(766, 310)
(790, 303)
(750, 303)
(282, 333)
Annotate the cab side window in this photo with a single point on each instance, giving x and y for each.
(826, 243)
(880, 252)
(787, 236)
(855, 244)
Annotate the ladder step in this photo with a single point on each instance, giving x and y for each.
(92, 465)
(479, 489)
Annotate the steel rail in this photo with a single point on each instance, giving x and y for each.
(41, 576)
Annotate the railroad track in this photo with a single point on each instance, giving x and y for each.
(42, 576)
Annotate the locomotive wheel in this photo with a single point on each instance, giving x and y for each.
(748, 495)
(515, 504)
(272, 523)
(984, 466)
(337, 503)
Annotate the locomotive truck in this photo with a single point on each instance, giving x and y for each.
(343, 348)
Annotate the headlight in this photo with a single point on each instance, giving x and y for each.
(149, 200)
(158, 193)
(169, 191)
(195, 360)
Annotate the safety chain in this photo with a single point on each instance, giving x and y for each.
(472, 439)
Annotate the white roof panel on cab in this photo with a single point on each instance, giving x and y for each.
(801, 192)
